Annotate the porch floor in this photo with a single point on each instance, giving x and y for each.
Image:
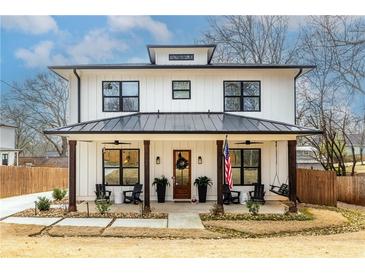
(270, 207)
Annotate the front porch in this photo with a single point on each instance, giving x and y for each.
(270, 207)
(122, 151)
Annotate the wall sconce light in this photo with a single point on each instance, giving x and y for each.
(157, 160)
(200, 160)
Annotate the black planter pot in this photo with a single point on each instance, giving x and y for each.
(202, 190)
(161, 193)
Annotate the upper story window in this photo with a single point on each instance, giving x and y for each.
(181, 90)
(181, 57)
(242, 96)
(120, 96)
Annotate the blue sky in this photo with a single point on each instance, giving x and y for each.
(31, 43)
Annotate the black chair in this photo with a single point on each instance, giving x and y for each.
(101, 193)
(230, 196)
(258, 194)
(282, 190)
(134, 196)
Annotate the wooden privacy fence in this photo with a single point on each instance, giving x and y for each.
(351, 189)
(25, 180)
(316, 187)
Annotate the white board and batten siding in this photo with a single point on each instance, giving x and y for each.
(89, 165)
(277, 96)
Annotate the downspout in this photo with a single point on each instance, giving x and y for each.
(295, 95)
(78, 96)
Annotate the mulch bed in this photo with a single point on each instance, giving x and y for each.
(58, 212)
(162, 233)
(74, 231)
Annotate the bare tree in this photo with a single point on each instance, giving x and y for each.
(325, 94)
(36, 105)
(251, 39)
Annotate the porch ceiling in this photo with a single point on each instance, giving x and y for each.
(182, 123)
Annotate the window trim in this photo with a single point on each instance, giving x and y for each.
(242, 167)
(191, 56)
(173, 90)
(120, 95)
(121, 166)
(241, 96)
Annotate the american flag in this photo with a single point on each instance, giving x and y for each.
(227, 166)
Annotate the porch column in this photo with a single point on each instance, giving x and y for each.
(147, 207)
(220, 175)
(292, 170)
(72, 176)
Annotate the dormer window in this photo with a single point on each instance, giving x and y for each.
(181, 57)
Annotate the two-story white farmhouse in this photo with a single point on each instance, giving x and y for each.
(130, 123)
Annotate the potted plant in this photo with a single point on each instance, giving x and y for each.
(202, 183)
(161, 184)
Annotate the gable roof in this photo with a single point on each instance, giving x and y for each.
(182, 123)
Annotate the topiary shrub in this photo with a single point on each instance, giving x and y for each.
(103, 206)
(43, 203)
(58, 194)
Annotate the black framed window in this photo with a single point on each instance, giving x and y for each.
(5, 159)
(181, 57)
(120, 96)
(242, 96)
(181, 89)
(120, 167)
(246, 166)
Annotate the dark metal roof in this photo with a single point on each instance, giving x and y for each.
(208, 66)
(182, 123)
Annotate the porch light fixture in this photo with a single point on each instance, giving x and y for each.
(200, 160)
(157, 160)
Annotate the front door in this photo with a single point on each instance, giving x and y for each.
(182, 174)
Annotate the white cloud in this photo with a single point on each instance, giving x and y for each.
(40, 55)
(158, 29)
(29, 24)
(96, 46)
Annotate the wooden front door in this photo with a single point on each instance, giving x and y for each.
(182, 174)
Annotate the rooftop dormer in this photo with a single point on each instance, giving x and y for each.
(180, 54)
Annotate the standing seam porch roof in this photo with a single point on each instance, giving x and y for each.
(182, 123)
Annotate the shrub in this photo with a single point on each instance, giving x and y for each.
(103, 206)
(43, 204)
(253, 207)
(58, 194)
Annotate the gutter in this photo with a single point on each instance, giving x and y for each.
(78, 96)
(295, 94)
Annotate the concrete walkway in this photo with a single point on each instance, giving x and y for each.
(31, 220)
(184, 221)
(11, 205)
(175, 220)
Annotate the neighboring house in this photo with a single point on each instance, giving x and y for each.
(9, 154)
(358, 142)
(306, 158)
(131, 123)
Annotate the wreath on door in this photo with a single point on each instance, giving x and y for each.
(181, 162)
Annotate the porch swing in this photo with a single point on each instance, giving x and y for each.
(277, 187)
